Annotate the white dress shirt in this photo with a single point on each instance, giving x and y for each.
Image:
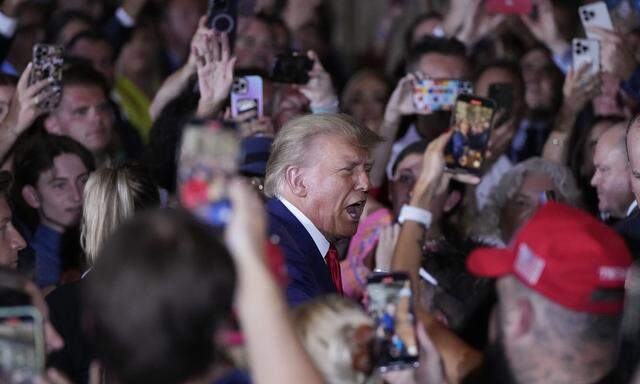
(632, 207)
(318, 238)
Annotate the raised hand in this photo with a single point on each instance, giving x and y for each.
(545, 28)
(401, 101)
(579, 88)
(25, 106)
(215, 71)
(616, 56)
(477, 23)
(319, 90)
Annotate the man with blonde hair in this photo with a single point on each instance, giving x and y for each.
(318, 179)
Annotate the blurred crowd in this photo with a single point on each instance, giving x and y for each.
(273, 203)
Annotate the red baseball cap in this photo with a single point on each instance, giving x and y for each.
(567, 256)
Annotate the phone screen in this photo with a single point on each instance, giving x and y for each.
(208, 161)
(465, 151)
(389, 303)
(431, 95)
(246, 96)
(21, 344)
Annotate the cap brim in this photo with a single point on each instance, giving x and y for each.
(491, 262)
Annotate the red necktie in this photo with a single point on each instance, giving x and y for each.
(334, 267)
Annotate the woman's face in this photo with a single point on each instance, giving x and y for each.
(365, 99)
(524, 203)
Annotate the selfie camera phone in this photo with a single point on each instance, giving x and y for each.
(222, 16)
(22, 349)
(586, 52)
(208, 160)
(292, 69)
(246, 95)
(472, 117)
(47, 62)
(431, 95)
(502, 95)
(595, 15)
(389, 303)
(509, 6)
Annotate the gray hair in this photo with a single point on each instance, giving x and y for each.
(293, 141)
(488, 224)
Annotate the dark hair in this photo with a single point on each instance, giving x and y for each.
(439, 45)
(506, 65)
(35, 154)
(416, 147)
(6, 180)
(93, 35)
(7, 79)
(408, 36)
(60, 20)
(79, 72)
(180, 279)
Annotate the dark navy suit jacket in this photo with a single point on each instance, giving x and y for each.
(629, 228)
(309, 275)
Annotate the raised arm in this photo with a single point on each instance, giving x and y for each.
(275, 354)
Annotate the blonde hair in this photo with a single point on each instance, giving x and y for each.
(293, 141)
(110, 197)
(325, 326)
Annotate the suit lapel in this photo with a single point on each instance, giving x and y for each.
(304, 241)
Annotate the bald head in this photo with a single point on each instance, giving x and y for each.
(633, 152)
(611, 178)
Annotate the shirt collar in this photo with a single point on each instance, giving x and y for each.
(633, 206)
(318, 238)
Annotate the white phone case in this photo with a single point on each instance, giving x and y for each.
(595, 15)
(586, 51)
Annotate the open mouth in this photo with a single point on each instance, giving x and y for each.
(355, 210)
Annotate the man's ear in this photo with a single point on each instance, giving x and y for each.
(294, 178)
(30, 196)
(52, 125)
(524, 317)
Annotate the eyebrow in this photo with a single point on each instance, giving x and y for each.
(56, 179)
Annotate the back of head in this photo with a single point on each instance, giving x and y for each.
(327, 327)
(110, 197)
(156, 297)
(293, 141)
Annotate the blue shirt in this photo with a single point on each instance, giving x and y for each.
(46, 244)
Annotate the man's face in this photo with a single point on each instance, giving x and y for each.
(608, 102)
(404, 179)
(587, 168)
(537, 70)
(85, 115)
(366, 100)
(336, 177)
(10, 240)
(524, 203)
(633, 144)
(254, 46)
(611, 178)
(99, 53)
(60, 190)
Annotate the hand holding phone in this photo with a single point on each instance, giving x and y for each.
(389, 303)
(208, 161)
(47, 61)
(472, 118)
(293, 69)
(22, 349)
(595, 15)
(586, 52)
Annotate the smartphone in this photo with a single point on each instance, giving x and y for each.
(246, 95)
(22, 349)
(586, 52)
(208, 160)
(595, 15)
(508, 6)
(389, 303)
(222, 16)
(431, 95)
(293, 69)
(502, 95)
(47, 62)
(472, 118)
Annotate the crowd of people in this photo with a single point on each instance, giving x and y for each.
(179, 205)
